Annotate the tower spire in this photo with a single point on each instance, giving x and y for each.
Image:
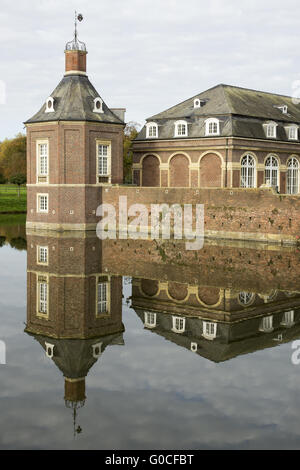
(76, 51)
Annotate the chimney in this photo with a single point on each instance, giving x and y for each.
(75, 62)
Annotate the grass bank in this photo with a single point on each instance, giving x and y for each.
(10, 202)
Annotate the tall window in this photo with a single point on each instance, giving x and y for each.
(42, 203)
(293, 176)
(248, 172)
(212, 126)
(103, 160)
(272, 171)
(181, 129)
(151, 130)
(178, 324)
(209, 329)
(42, 162)
(42, 290)
(42, 254)
(103, 298)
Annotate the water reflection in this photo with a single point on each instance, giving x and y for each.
(223, 302)
(73, 309)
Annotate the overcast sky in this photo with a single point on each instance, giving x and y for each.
(146, 55)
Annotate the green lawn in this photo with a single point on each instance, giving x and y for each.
(10, 203)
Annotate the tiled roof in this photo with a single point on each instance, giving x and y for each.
(74, 101)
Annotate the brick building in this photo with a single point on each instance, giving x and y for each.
(224, 137)
(74, 147)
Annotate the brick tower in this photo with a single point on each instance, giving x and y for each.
(74, 148)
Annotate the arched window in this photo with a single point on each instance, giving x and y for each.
(248, 172)
(272, 171)
(292, 176)
(212, 126)
(151, 130)
(197, 103)
(181, 129)
(246, 298)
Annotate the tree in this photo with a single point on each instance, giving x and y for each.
(13, 156)
(130, 132)
(18, 179)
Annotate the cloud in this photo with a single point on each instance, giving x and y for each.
(151, 55)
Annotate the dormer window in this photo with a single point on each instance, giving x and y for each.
(50, 105)
(266, 325)
(199, 103)
(209, 330)
(270, 130)
(151, 130)
(212, 126)
(178, 324)
(150, 320)
(98, 105)
(181, 129)
(292, 133)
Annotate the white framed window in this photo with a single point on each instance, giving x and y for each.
(151, 130)
(103, 160)
(49, 105)
(288, 318)
(271, 130)
(292, 132)
(292, 176)
(42, 255)
(42, 203)
(103, 296)
(209, 330)
(98, 105)
(212, 126)
(150, 319)
(178, 324)
(266, 324)
(181, 129)
(246, 298)
(272, 171)
(42, 296)
(42, 161)
(248, 172)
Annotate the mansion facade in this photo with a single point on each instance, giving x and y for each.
(225, 137)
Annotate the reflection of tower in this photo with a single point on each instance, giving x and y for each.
(73, 309)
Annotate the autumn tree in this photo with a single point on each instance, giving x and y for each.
(130, 132)
(13, 157)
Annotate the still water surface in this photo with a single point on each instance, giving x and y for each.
(147, 389)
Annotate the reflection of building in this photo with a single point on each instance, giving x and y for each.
(73, 309)
(216, 323)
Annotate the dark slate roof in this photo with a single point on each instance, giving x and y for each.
(241, 113)
(74, 101)
(74, 356)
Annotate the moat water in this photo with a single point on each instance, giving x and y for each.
(147, 389)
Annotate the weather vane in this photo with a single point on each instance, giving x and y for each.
(78, 17)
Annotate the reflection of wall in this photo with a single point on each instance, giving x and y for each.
(208, 301)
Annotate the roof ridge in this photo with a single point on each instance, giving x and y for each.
(256, 91)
